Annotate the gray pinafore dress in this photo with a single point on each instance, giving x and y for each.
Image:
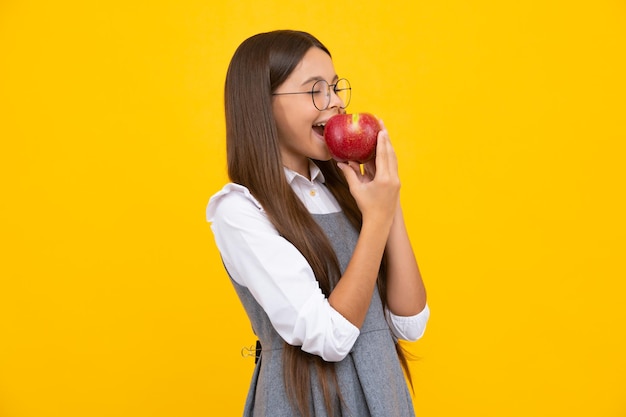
(370, 377)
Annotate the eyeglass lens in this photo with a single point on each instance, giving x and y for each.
(322, 93)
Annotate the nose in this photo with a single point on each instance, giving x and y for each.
(335, 100)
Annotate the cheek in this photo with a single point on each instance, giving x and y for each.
(294, 119)
(278, 111)
(295, 127)
(282, 120)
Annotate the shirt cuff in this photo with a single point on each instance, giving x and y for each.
(326, 332)
(410, 328)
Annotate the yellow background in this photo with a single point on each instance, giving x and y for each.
(509, 122)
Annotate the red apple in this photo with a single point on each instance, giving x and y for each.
(352, 137)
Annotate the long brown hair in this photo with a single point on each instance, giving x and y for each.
(261, 64)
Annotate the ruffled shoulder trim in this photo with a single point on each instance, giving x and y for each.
(229, 190)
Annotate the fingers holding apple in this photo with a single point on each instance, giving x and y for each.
(370, 166)
(352, 172)
(374, 184)
(385, 154)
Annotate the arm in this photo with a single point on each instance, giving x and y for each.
(406, 295)
(376, 192)
(373, 190)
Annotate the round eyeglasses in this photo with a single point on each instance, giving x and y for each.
(320, 93)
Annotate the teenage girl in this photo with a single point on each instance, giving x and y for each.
(317, 251)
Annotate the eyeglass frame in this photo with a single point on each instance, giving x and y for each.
(334, 88)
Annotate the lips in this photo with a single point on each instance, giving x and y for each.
(319, 128)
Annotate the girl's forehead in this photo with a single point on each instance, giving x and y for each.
(315, 65)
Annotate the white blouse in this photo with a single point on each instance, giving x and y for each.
(278, 275)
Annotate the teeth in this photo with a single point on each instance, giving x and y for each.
(320, 124)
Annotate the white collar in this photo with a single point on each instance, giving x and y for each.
(314, 172)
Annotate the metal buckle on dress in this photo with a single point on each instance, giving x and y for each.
(252, 351)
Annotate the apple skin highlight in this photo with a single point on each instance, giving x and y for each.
(352, 137)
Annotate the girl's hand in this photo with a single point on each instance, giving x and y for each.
(376, 188)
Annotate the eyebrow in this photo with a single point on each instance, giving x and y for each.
(318, 78)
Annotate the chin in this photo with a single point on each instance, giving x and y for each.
(321, 158)
(324, 156)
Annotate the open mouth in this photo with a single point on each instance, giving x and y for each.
(319, 128)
